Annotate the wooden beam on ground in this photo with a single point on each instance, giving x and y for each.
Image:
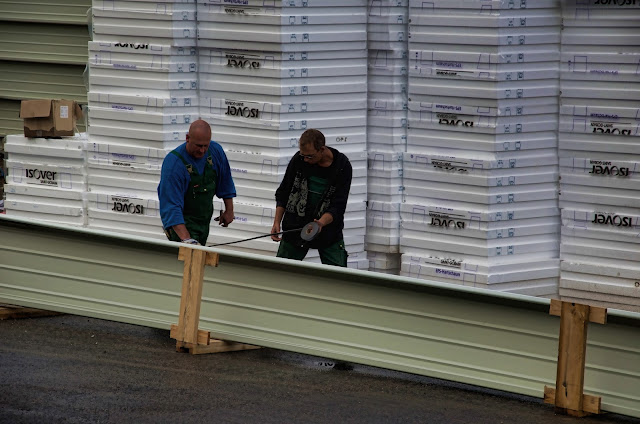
(568, 396)
(18, 312)
(215, 346)
(590, 404)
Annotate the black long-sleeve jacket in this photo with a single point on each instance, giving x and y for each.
(293, 193)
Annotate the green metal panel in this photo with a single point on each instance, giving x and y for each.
(45, 11)
(496, 340)
(20, 80)
(45, 43)
(10, 122)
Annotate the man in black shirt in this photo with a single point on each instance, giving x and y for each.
(315, 188)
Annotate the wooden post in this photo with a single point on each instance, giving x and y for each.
(568, 396)
(192, 278)
(188, 336)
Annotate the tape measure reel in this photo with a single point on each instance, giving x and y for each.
(310, 231)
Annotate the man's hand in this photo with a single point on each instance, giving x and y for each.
(226, 218)
(320, 224)
(191, 241)
(274, 230)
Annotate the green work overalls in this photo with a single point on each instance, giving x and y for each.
(198, 201)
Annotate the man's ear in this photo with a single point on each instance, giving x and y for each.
(187, 138)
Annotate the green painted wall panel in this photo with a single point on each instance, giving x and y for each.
(474, 336)
(10, 122)
(45, 43)
(20, 80)
(49, 11)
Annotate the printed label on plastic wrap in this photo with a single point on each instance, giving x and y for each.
(41, 177)
(603, 167)
(607, 219)
(246, 10)
(241, 109)
(128, 205)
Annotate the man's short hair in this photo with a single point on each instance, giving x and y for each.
(313, 136)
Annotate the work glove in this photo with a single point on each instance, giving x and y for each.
(191, 241)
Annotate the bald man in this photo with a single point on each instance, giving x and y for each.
(191, 175)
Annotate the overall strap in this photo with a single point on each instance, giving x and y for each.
(189, 167)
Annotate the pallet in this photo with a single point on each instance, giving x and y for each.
(18, 312)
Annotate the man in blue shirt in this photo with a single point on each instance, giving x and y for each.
(191, 175)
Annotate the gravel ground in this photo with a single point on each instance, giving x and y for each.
(71, 369)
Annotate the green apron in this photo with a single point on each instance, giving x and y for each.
(198, 201)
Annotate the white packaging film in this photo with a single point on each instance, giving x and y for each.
(142, 146)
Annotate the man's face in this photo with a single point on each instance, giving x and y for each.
(309, 154)
(198, 143)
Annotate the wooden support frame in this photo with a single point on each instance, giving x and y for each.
(568, 395)
(188, 337)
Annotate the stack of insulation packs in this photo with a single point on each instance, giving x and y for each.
(600, 153)
(480, 172)
(46, 179)
(386, 130)
(269, 71)
(142, 98)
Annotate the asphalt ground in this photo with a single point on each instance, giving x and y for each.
(72, 369)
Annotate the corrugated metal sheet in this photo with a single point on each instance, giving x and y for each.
(10, 122)
(45, 43)
(489, 339)
(45, 11)
(39, 43)
(20, 80)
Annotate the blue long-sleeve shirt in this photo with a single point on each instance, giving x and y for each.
(174, 181)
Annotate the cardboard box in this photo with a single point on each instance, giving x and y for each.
(50, 118)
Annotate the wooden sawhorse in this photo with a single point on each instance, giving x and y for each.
(188, 337)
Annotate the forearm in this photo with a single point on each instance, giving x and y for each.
(181, 231)
(228, 204)
(325, 219)
(279, 215)
(277, 220)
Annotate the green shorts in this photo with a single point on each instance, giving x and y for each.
(333, 255)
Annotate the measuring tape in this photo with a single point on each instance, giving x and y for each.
(307, 233)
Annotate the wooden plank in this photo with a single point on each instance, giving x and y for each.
(591, 404)
(18, 312)
(204, 337)
(572, 348)
(596, 314)
(549, 395)
(192, 279)
(219, 346)
(212, 259)
(568, 395)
